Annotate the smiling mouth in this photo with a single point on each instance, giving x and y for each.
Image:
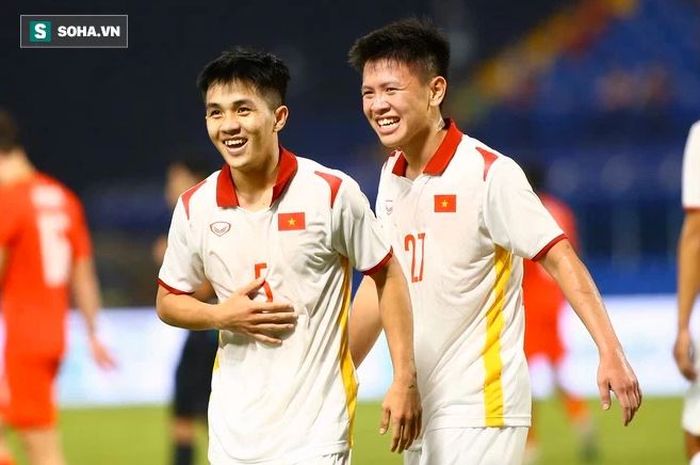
(387, 125)
(387, 122)
(235, 144)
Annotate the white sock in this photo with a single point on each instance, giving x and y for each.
(696, 459)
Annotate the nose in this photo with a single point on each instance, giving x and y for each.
(230, 123)
(378, 103)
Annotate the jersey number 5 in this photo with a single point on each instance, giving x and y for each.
(55, 247)
(411, 245)
(258, 271)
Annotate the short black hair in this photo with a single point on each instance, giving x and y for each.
(9, 132)
(264, 71)
(411, 41)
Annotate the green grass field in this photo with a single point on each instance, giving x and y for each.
(138, 436)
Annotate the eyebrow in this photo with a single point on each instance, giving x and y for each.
(383, 85)
(234, 104)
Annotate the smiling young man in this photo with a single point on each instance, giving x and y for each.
(283, 386)
(462, 217)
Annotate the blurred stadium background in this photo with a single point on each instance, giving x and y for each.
(599, 92)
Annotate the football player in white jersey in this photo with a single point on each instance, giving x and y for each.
(688, 289)
(283, 384)
(462, 217)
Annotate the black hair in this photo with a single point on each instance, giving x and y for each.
(9, 132)
(411, 41)
(264, 71)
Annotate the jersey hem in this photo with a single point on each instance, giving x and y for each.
(458, 421)
(298, 457)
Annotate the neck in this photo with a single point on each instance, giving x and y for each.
(254, 185)
(16, 168)
(423, 146)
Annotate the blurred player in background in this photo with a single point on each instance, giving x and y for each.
(44, 248)
(461, 218)
(684, 350)
(544, 302)
(193, 374)
(283, 386)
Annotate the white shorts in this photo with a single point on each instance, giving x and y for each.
(691, 406)
(470, 446)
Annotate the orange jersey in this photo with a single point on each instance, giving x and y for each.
(541, 294)
(43, 232)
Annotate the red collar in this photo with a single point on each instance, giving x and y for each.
(442, 156)
(226, 190)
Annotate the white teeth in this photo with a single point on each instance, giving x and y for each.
(387, 121)
(234, 142)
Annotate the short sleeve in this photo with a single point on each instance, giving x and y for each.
(514, 215)
(182, 271)
(691, 169)
(357, 233)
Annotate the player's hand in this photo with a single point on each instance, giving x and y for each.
(402, 410)
(100, 354)
(682, 352)
(615, 374)
(263, 321)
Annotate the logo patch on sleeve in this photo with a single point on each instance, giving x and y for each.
(291, 221)
(445, 203)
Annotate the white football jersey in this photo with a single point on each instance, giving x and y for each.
(691, 169)
(279, 404)
(459, 231)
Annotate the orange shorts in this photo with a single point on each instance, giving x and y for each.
(27, 397)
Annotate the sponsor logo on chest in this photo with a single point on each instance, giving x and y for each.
(220, 227)
(389, 206)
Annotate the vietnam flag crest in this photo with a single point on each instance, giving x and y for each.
(445, 203)
(291, 221)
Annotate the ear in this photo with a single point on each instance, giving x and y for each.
(281, 115)
(438, 89)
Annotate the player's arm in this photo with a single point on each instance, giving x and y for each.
(401, 404)
(3, 259)
(365, 320)
(263, 321)
(86, 294)
(688, 288)
(614, 372)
